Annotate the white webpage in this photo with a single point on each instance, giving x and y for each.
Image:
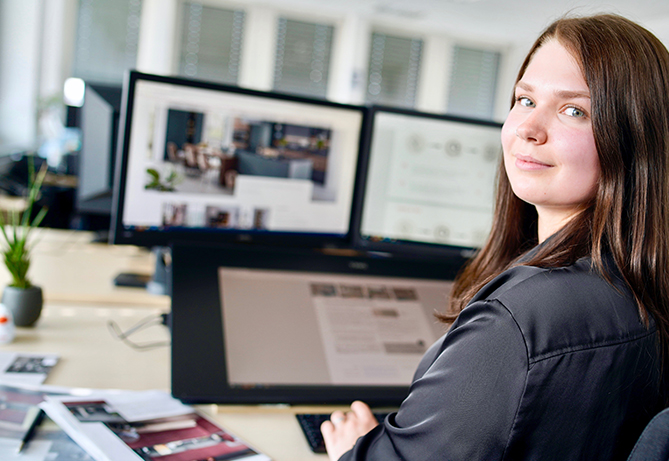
(302, 328)
(430, 180)
(251, 201)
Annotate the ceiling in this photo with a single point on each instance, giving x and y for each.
(509, 21)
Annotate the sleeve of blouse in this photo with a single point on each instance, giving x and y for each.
(463, 406)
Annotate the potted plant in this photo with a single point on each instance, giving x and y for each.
(22, 298)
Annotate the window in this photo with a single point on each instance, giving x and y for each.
(211, 43)
(394, 68)
(473, 82)
(302, 58)
(107, 38)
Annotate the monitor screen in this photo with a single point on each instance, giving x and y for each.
(428, 183)
(98, 119)
(276, 325)
(206, 161)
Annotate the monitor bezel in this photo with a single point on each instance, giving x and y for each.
(398, 247)
(198, 351)
(161, 237)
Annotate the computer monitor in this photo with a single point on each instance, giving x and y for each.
(209, 162)
(428, 184)
(253, 324)
(98, 120)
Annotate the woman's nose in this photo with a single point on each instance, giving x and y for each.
(532, 129)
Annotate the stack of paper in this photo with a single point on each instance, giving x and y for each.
(148, 425)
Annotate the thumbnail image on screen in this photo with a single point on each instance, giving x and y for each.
(430, 179)
(220, 158)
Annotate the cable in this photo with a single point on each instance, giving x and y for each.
(119, 334)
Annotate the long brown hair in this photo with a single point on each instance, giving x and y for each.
(626, 69)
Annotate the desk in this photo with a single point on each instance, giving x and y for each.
(92, 357)
(70, 269)
(80, 300)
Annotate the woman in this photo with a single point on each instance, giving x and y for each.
(559, 352)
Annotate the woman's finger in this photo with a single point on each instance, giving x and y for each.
(366, 418)
(337, 417)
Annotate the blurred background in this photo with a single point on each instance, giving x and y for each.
(445, 56)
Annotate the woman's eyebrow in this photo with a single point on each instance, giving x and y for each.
(524, 86)
(565, 94)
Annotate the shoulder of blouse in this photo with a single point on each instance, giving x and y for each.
(566, 309)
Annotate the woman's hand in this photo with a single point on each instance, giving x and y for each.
(343, 429)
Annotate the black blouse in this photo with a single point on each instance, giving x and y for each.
(543, 364)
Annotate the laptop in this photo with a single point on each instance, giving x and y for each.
(272, 325)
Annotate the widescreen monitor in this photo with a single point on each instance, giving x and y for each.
(252, 324)
(428, 183)
(208, 162)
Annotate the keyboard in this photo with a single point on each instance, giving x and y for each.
(311, 426)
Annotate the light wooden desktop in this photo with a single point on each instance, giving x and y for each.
(80, 300)
(70, 269)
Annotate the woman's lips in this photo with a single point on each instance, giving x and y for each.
(526, 162)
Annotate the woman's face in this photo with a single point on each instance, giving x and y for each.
(549, 148)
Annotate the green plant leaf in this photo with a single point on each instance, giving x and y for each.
(16, 251)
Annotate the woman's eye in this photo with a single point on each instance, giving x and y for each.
(523, 101)
(574, 112)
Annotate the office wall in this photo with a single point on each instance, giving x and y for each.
(35, 36)
(59, 30)
(20, 25)
(157, 36)
(158, 47)
(350, 52)
(35, 60)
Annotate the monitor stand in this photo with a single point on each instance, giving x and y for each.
(159, 283)
(100, 236)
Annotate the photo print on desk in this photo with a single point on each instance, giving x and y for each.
(24, 368)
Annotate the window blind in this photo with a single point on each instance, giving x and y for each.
(302, 58)
(107, 39)
(394, 69)
(473, 82)
(211, 43)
